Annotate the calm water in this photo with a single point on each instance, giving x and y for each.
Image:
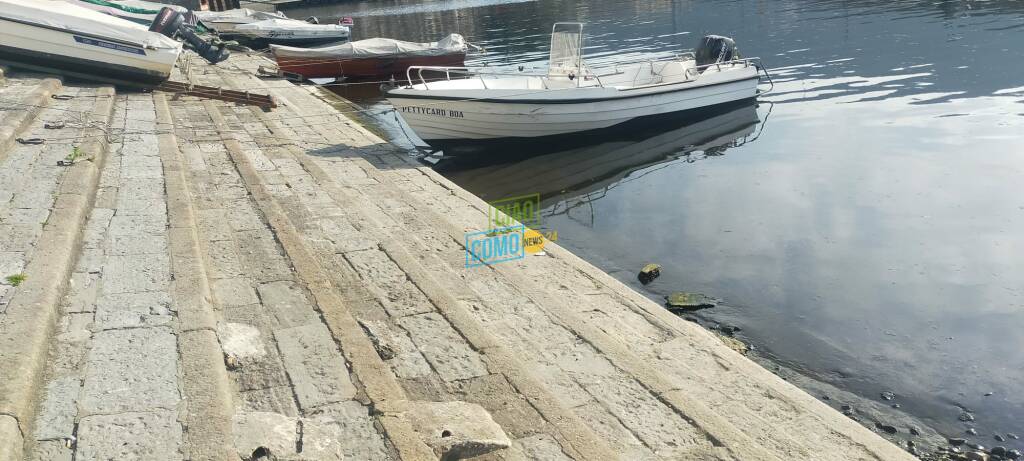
(864, 224)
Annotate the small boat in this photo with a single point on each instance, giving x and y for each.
(139, 11)
(470, 109)
(224, 22)
(371, 58)
(292, 32)
(58, 37)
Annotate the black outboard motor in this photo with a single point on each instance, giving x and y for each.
(715, 48)
(170, 23)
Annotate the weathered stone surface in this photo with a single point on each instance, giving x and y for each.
(321, 440)
(132, 274)
(279, 399)
(11, 436)
(131, 370)
(269, 371)
(234, 292)
(399, 296)
(132, 310)
(611, 430)
(51, 450)
(443, 347)
(395, 348)
(509, 409)
(644, 415)
(90, 260)
(128, 244)
(456, 430)
(82, 293)
(241, 343)
(223, 260)
(287, 303)
(315, 366)
(359, 438)
(135, 225)
(541, 447)
(136, 435)
(74, 327)
(276, 434)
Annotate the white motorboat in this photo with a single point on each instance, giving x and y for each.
(139, 11)
(224, 22)
(259, 28)
(289, 32)
(471, 108)
(59, 37)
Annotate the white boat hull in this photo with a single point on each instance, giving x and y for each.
(85, 55)
(491, 114)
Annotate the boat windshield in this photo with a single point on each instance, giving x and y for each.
(566, 49)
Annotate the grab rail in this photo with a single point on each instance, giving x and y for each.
(481, 72)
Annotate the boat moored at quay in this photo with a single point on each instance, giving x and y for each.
(470, 108)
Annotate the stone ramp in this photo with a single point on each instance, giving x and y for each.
(237, 283)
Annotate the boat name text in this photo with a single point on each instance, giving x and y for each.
(433, 111)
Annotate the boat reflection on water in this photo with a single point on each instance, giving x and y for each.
(574, 177)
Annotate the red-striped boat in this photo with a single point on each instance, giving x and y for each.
(371, 58)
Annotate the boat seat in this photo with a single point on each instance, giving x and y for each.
(674, 71)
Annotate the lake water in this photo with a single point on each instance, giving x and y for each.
(863, 224)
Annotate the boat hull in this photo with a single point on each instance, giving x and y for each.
(260, 41)
(479, 119)
(375, 67)
(482, 151)
(82, 55)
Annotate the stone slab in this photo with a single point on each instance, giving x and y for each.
(315, 366)
(234, 292)
(131, 370)
(132, 310)
(359, 437)
(443, 347)
(288, 303)
(133, 274)
(152, 436)
(56, 418)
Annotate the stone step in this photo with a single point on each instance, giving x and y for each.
(311, 202)
(30, 177)
(51, 204)
(21, 101)
(803, 434)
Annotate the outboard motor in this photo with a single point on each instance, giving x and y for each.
(170, 23)
(715, 48)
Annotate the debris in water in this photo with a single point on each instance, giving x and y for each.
(693, 301)
(649, 273)
(966, 417)
(734, 344)
(888, 395)
(886, 428)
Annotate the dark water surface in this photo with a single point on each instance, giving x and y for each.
(869, 234)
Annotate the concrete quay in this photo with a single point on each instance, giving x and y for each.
(210, 281)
